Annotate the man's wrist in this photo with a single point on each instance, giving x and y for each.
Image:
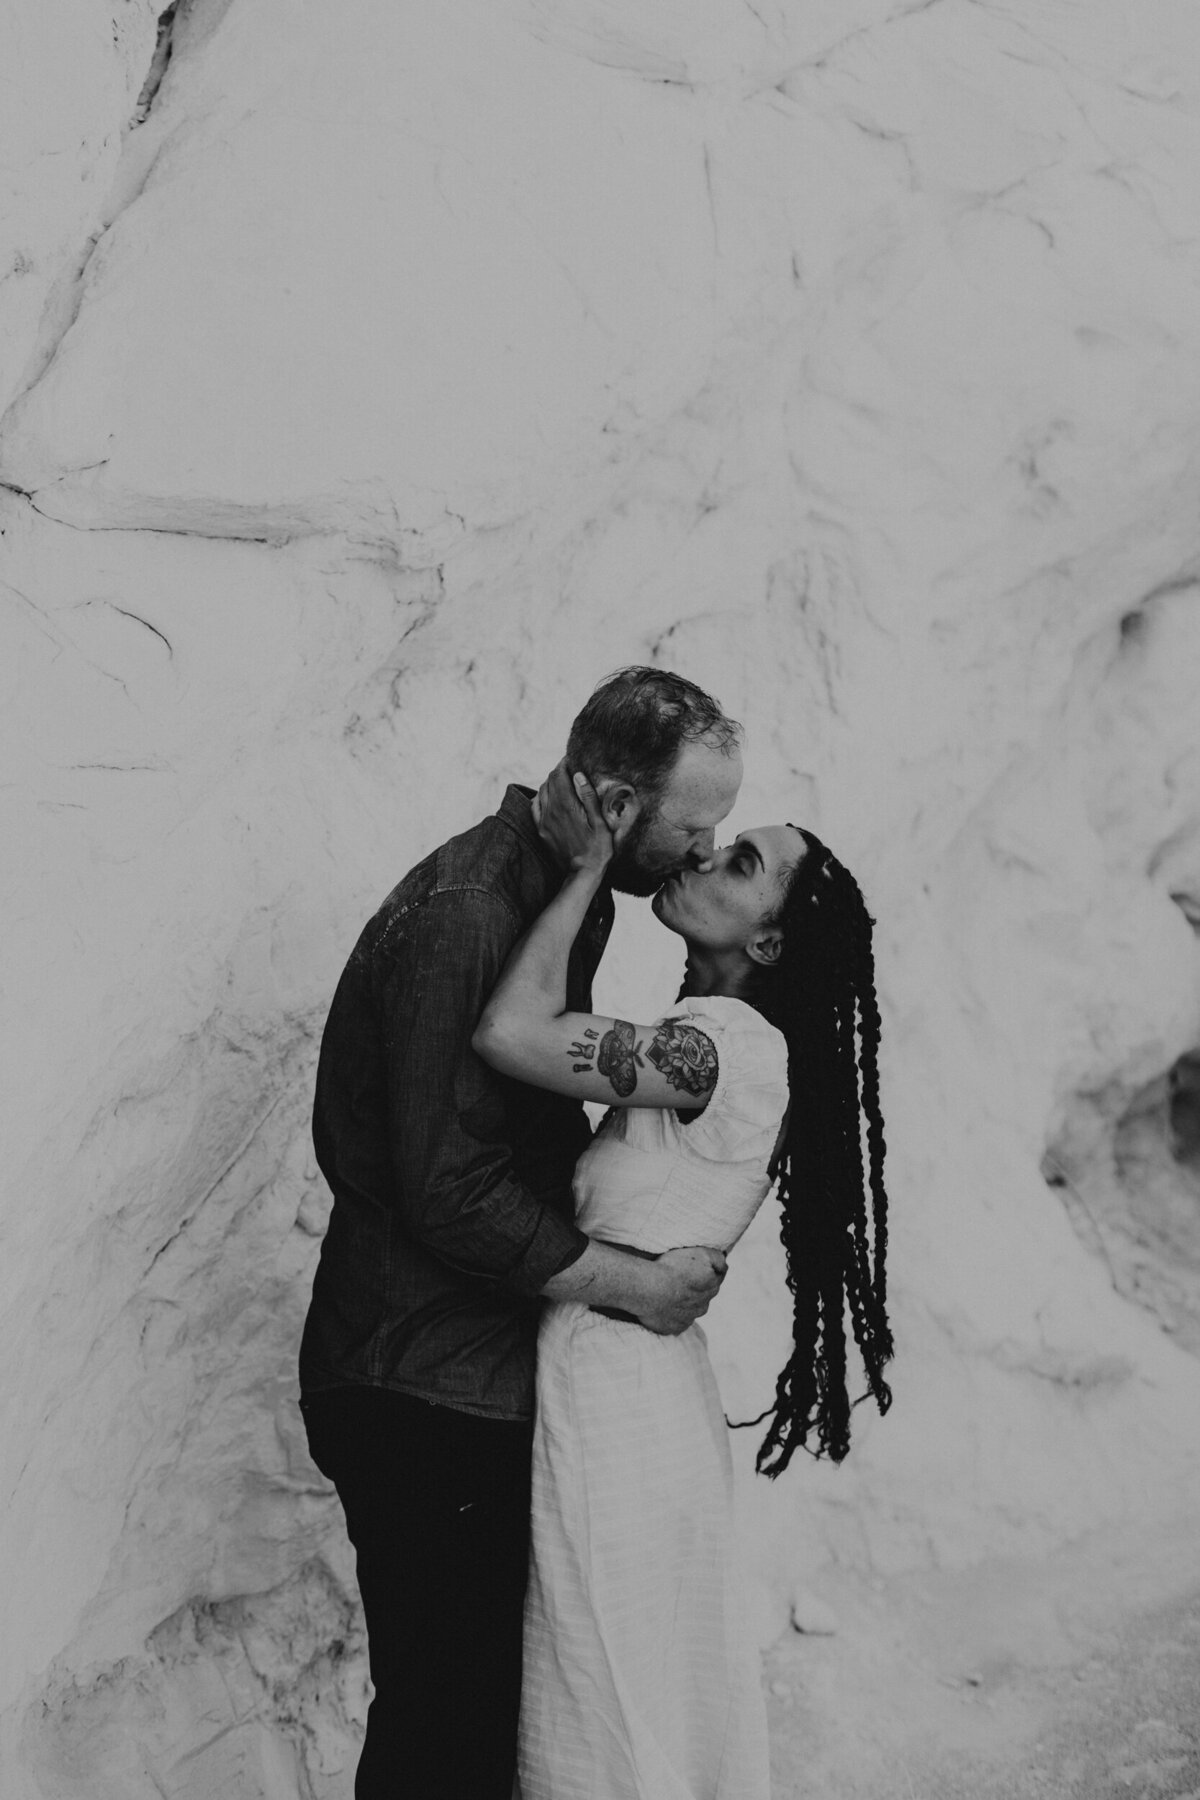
(607, 1275)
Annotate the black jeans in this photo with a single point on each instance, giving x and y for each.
(437, 1508)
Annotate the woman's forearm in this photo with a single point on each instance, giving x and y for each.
(533, 986)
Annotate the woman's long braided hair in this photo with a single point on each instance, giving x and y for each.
(821, 995)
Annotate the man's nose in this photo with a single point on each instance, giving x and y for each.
(701, 854)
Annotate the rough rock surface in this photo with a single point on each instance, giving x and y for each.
(376, 378)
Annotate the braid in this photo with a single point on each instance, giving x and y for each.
(821, 996)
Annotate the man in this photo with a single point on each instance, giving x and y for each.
(452, 1218)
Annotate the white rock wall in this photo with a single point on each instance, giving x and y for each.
(400, 373)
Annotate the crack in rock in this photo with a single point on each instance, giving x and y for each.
(159, 63)
(68, 290)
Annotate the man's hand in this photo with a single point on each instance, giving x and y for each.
(689, 1280)
(567, 814)
(664, 1293)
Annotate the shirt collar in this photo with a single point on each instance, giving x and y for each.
(516, 809)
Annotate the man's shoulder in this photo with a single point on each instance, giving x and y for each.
(490, 860)
(481, 856)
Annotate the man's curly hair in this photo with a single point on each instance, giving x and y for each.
(636, 723)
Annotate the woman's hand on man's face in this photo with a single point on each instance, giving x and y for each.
(568, 817)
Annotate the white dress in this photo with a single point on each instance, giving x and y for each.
(640, 1682)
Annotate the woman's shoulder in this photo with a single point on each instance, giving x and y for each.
(736, 1020)
(750, 1094)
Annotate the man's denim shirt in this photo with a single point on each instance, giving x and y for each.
(451, 1184)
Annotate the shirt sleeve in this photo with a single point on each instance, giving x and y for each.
(746, 1107)
(455, 1186)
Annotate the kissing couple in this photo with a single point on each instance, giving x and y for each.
(501, 1371)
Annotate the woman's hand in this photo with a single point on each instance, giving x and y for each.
(569, 820)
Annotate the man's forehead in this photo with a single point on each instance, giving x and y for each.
(704, 782)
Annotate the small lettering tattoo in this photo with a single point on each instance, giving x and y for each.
(620, 1057)
(684, 1056)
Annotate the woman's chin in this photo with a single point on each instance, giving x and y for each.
(663, 907)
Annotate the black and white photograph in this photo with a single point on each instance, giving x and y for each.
(600, 941)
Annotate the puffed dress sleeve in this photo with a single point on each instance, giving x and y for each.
(746, 1107)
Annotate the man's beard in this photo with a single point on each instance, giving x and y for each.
(627, 871)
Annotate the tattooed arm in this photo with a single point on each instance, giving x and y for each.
(527, 1032)
(671, 1063)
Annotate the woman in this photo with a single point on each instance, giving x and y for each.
(638, 1683)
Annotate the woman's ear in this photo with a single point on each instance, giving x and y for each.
(766, 946)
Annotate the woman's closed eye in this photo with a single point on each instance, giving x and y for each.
(747, 858)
